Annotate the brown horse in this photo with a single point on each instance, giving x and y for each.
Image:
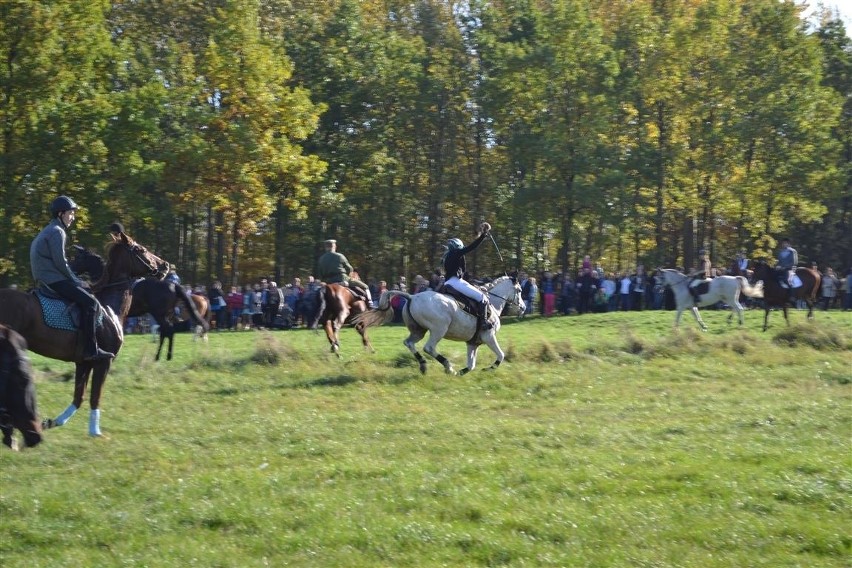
(153, 296)
(775, 295)
(22, 311)
(337, 304)
(18, 408)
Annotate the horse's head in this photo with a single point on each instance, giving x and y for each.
(670, 276)
(18, 408)
(87, 262)
(508, 289)
(128, 259)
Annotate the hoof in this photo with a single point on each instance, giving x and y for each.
(48, 423)
(464, 372)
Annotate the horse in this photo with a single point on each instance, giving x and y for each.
(445, 318)
(775, 295)
(337, 305)
(22, 311)
(18, 408)
(725, 289)
(149, 296)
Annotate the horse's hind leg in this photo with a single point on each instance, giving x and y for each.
(331, 334)
(8, 440)
(431, 349)
(411, 343)
(365, 341)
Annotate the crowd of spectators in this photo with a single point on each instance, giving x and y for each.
(266, 305)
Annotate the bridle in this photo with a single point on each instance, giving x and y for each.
(511, 300)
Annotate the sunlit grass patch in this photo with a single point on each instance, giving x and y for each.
(820, 337)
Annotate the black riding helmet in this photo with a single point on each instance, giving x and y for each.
(62, 203)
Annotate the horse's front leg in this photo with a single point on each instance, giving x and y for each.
(81, 379)
(698, 318)
(471, 359)
(98, 380)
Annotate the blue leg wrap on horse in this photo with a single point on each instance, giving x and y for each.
(95, 422)
(66, 414)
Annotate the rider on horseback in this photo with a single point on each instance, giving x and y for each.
(333, 268)
(785, 269)
(455, 268)
(50, 267)
(700, 275)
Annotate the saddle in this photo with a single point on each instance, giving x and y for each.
(357, 292)
(58, 312)
(698, 287)
(467, 304)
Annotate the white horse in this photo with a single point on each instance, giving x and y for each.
(725, 289)
(443, 317)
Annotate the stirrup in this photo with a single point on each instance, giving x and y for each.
(99, 355)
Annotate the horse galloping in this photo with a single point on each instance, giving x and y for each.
(22, 311)
(337, 305)
(443, 317)
(725, 289)
(153, 296)
(775, 295)
(18, 408)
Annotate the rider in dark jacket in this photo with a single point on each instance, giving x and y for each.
(334, 268)
(50, 267)
(455, 268)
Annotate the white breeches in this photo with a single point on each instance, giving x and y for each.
(466, 288)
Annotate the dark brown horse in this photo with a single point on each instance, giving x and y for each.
(18, 408)
(22, 311)
(336, 305)
(153, 296)
(776, 296)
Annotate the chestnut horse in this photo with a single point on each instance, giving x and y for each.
(336, 305)
(18, 408)
(776, 296)
(22, 311)
(150, 296)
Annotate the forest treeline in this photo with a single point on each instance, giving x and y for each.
(233, 136)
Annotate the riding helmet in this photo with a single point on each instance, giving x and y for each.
(62, 203)
(455, 244)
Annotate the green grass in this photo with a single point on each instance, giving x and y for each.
(604, 440)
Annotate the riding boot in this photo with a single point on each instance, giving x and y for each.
(484, 324)
(91, 351)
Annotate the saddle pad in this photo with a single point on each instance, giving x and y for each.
(56, 313)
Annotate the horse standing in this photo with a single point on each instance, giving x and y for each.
(725, 289)
(18, 408)
(22, 311)
(775, 295)
(337, 305)
(443, 317)
(153, 296)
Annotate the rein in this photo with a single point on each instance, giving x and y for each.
(513, 302)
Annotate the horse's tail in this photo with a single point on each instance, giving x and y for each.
(382, 313)
(752, 291)
(319, 309)
(190, 306)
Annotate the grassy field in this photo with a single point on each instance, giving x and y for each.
(604, 440)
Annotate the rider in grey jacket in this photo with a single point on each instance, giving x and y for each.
(49, 266)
